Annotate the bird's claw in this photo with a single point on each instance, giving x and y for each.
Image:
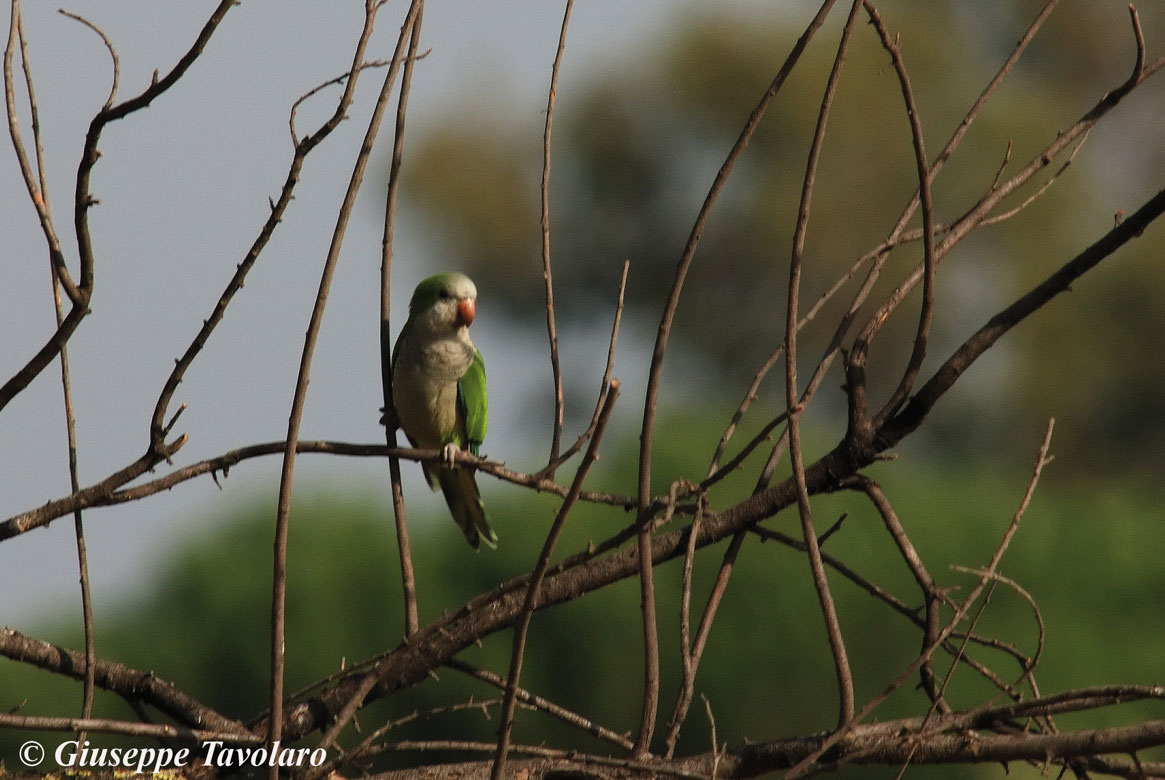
(449, 453)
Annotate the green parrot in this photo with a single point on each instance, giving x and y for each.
(438, 392)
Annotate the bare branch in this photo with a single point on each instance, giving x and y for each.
(929, 262)
(544, 705)
(341, 79)
(404, 550)
(551, 329)
(133, 684)
(547, 472)
(794, 405)
(691, 653)
(129, 728)
(36, 184)
(108, 46)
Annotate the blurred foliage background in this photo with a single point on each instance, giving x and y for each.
(633, 156)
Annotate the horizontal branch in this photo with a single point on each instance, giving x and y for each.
(109, 491)
(95, 495)
(889, 743)
(874, 745)
(133, 684)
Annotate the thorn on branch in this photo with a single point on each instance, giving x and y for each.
(170, 425)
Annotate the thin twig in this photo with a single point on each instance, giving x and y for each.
(650, 637)
(532, 589)
(692, 653)
(83, 200)
(937, 701)
(929, 623)
(715, 742)
(750, 395)
(1032, 660)
(78, 523)
(544, 705)
(367, 747)
(793, 403)
(35, 183)
(341, 79)
(551, 329)
(546, 472)
(108, 47)
(995, 219)
(929, 262)
(930, 592)
(404, 549)
(920, 404)
(687, 669)
(345, 716)
(655, 371)
(59, 278)
(980, 211)
(855, 383)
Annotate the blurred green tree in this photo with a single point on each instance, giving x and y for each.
(635, 153)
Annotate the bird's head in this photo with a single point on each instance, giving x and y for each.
(445, 301)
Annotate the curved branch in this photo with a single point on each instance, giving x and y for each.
(551, 328)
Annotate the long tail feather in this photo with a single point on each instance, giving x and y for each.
(465, 505)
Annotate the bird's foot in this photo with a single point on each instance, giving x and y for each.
(448, 453)
(388, 418)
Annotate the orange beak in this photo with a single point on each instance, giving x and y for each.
(465, 311)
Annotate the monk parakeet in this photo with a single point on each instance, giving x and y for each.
(438, 391)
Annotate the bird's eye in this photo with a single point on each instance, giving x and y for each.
(444, 295)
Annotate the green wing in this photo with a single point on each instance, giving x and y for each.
(473, 403)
